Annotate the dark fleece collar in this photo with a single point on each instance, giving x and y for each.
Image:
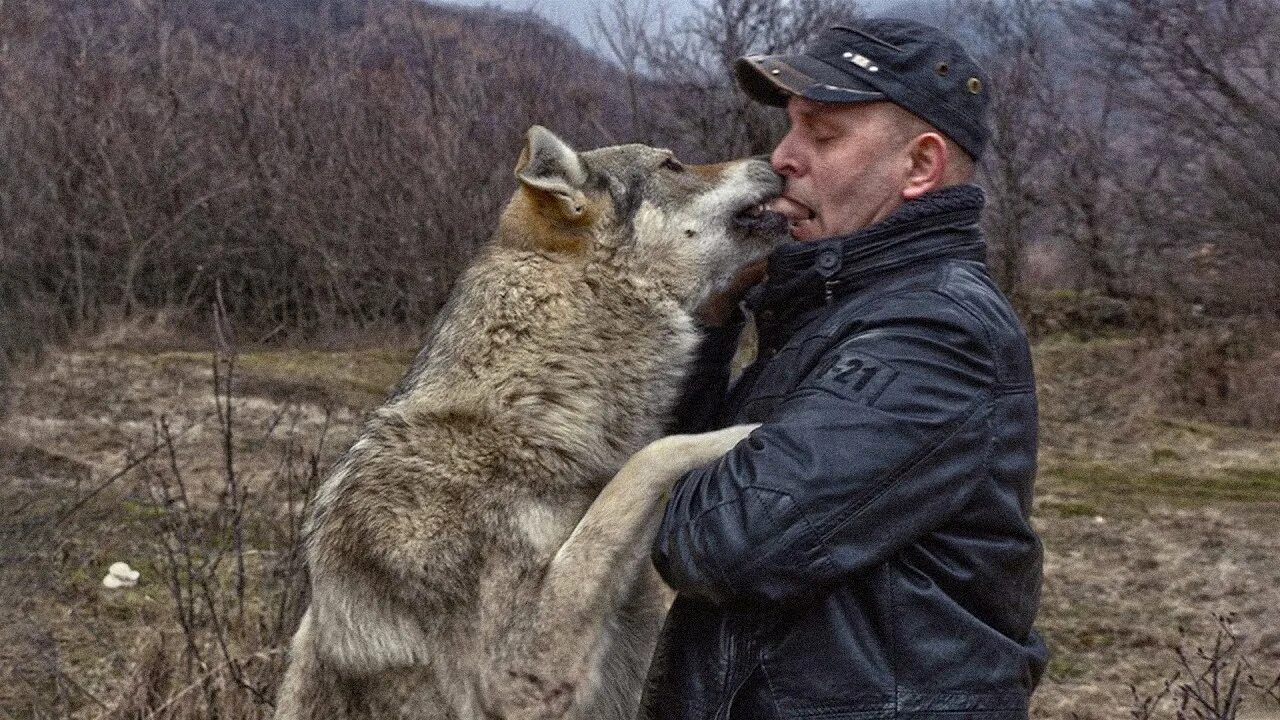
(940, 225)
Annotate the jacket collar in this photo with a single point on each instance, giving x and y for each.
(940, 225)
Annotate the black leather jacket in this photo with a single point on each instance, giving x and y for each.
(867, 552)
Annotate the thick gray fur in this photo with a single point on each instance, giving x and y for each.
(481, 551)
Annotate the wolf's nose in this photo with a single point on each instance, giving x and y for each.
(760, 168)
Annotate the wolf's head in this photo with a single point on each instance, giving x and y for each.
(690, 227)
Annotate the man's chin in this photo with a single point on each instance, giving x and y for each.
(804, 231)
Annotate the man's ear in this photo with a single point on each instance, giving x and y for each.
(553, 173)
(929, 156)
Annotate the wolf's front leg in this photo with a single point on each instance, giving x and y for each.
(556, 661)
(593, 568)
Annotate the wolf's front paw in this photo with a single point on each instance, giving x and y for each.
(706, 447)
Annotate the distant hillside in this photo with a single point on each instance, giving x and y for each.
(326, 164)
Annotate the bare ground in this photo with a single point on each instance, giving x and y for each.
(1153, 524)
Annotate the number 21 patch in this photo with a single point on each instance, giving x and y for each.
(856, 376)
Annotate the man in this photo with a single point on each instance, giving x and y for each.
(866, 553)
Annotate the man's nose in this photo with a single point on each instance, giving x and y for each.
(783, 159)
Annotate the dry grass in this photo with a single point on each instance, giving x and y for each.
(1152, 524)
(68, 646)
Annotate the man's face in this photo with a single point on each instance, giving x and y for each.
(845, 164)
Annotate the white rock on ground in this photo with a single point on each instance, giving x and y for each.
(120, 575)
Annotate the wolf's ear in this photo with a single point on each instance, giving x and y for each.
(551, 169)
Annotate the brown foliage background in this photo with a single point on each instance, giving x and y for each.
(331, 164)
(325, 164)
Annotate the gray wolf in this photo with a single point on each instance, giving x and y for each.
(869, 552)
(482, 550)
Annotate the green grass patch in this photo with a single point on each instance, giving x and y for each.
(1070, 344)
(1072, 509)
(1194, 427)
(366, 375)
(1217, 485)
(359, 379)
(1075, 637)
(1066, 666)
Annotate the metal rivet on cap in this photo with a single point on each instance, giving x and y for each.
(775, 71)
(975, 85)
(943, 68)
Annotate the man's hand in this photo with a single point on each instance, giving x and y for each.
(720, 307)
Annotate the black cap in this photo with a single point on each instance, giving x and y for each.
(909, 63)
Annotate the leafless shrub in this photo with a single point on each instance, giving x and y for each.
(1202, 98)
(235, 577)
(1211, 681)
(1228, 373)
(686, 66)
(1017, 42)
(331, 164)
(1137, 137)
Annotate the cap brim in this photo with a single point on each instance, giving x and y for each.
(771, 79)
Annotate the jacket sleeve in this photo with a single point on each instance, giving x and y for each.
(883, 441)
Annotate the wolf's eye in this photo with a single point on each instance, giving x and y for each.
(673, 165)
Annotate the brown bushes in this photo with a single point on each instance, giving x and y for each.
(333, 163)
(330, 165)
(1228, 374)
(1083, 314)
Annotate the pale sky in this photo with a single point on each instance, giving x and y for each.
(576, 15)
